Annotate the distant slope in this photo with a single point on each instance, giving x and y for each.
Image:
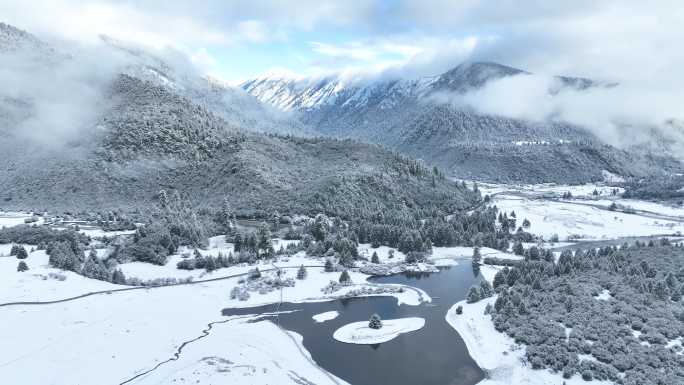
(413, 117)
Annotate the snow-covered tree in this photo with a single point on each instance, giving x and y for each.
(375, 322)
(473, 295)
(345, 279)
(301, 272)
(22, 266)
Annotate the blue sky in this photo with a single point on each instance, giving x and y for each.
(237, 40)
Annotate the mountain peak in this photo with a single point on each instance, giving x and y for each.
(469, 75)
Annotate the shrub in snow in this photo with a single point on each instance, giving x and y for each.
(254, 273)
(374, 258)
(375, 322)
(459, 309)
(22, 266)
(301, 273)
(345, 279)
(57, 276)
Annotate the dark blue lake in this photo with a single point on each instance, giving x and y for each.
(434, 355)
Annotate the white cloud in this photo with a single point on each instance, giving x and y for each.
(621, 115)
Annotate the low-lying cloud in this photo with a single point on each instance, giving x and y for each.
(623, 115)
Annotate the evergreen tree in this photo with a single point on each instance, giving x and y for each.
(375, 322)
(499, 278)
(263, 238)
(118, 277)
(518, 248)
(391, 254)
(301, 273)
(526, 223)
(22, 266)
(477, 257)
(374, 258)
(345, 279)
(227, 215)
(95, 268)
(237, 242)
(21, 253)
(486, 289)
(473, 295)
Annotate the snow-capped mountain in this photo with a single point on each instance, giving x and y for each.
(420, 117)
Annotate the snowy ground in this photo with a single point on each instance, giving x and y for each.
(568, 220)
(97, 339)
(551, 189)
(10, 219)
(367, 251)
(327, 316)
(360, 333)
(37, 284)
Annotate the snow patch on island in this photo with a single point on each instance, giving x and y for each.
(360, 333)
(327, 316)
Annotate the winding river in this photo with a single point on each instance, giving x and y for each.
(433, 355)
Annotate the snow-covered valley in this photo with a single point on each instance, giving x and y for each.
(96, 338)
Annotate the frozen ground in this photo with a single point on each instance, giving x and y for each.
(327, 316)
(360, 333)
(568, 220)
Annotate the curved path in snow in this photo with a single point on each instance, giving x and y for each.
(141, 288)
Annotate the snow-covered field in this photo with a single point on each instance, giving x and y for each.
(97, 339)
(10, 219)
(360, 333)
(568, 220)
(37, 284)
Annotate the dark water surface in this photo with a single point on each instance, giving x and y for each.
(433, 355)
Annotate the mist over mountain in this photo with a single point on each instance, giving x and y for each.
(141, 124)
(472, 121)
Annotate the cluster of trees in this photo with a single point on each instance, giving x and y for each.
(258, 243)
(39, 235)
(173, 223)
(211, 263)
(628, 334)
(656, 187)
(19, 252)
(482, 291)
